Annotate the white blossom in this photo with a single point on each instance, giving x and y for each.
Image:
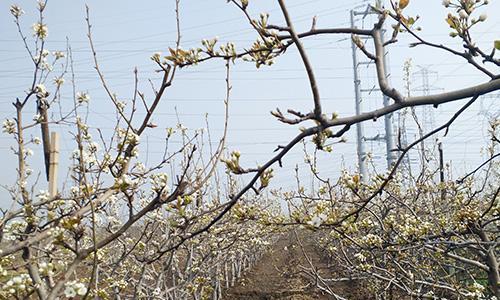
(93, 147)
(317, 220)
(42, 4)
(159, 181)
(74, 289)
(58, 81)
(16, 11)
(9, 126)
(120, 105)
(28, 152)
(463, 14)
(156, 56)
(69, 292)
(81, 290)
(360, 256)
(43, 195)
(38, 118)
(41, 91)
(40, 30)
(59, 54)
(82, 97)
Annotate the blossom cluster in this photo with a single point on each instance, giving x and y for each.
(75, 288)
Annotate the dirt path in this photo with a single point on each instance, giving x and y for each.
(282, 273)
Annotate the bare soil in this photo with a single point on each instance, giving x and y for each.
(281, 273)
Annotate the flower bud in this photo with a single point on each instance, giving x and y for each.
(463, 14)
(16, 11)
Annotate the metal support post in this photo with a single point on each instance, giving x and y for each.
(362, 164)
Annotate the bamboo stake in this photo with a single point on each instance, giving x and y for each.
(54, 163)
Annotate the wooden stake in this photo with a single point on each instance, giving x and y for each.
(54, 163)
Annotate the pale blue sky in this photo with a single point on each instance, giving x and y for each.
(127, 32)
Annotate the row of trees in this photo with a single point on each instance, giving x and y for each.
(179, 229)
